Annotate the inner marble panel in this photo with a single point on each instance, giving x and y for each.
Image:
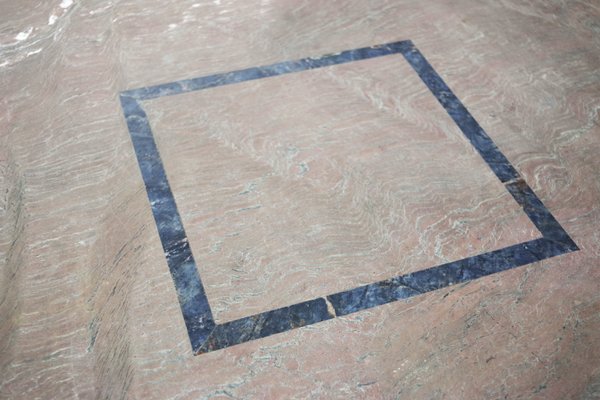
(302, 185)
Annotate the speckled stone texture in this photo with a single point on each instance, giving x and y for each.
(295, 187)
(302, 185)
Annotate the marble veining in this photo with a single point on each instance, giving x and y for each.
(361, 177)
(205, 335)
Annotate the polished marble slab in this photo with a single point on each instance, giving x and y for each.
(241, 172)
(281, 208)
(88, 308)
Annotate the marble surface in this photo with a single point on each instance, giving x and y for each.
(88, 306)
(292, 187)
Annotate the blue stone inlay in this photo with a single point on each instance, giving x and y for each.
(190, 292)
(287, 67)
(207, 336)
(266, 324)
(467, 124)
(539, 214)
(427, 280)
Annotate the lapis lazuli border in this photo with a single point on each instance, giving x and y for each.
(205, 335)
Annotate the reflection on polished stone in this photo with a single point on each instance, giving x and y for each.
(311, 193)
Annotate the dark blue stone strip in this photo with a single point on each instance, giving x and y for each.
(445, 275)
(539, 214)
(461, 116)
(266, 324)
(286, 67)
(379, 293)
(190, 292)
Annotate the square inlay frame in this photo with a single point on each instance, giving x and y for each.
(206, 335)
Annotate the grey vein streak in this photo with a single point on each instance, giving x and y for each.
(205, 335)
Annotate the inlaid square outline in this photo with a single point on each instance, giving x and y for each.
(206, 335)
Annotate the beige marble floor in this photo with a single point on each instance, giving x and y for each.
(292, 188)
